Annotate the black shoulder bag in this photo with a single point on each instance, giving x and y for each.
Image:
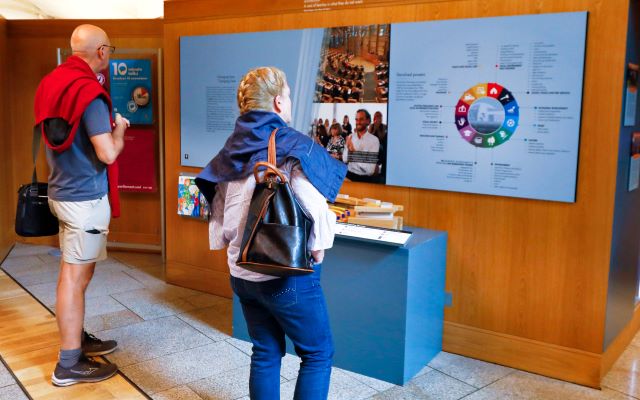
(277, 228)
(33, 216)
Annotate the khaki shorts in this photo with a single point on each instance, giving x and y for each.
(84, 226)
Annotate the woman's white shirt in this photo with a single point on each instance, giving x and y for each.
(231, 205)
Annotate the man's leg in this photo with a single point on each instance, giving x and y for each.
(72, 284)
(83, 242)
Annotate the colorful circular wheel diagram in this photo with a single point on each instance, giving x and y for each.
(487, 115)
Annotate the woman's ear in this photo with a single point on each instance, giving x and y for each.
(277, 101)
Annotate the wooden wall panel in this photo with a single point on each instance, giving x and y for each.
(177, 10)
(32, 45)
(7, 210)
(535, 270)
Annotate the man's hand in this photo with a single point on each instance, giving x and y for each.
(110, 144)
(350, 145)
(122, 123)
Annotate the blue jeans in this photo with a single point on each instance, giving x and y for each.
(295, 307)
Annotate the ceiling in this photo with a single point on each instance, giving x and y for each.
(81, 9)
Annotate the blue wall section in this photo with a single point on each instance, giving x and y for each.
(625, 244)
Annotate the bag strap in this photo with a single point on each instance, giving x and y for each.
(271, 168)
(271, 152)
(35, 146)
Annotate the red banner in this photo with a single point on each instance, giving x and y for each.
(137, 162)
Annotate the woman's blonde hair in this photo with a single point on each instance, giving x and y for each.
(259, 87)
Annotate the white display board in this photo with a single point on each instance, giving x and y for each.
(373, 234)
(488, 105)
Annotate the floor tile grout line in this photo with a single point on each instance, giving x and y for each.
(187, 385)
(513, 371)
(460, 380)
(619, 391)
(43, 261)
(127, 308)
(129, 380)
(135, 386)
(199, 331)
(469, 394)
(371, 387)
(133, 265)
(161, 283)
(15, 378)
(226, 340)
(175, 314)
(487, 385)
(134, 278)
(169, 354)
(199, 379)
(189, 382)
(142, 288)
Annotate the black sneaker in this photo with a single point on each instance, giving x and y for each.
(85, 370)
(92, 346)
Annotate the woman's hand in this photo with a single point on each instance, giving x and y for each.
(318, 256)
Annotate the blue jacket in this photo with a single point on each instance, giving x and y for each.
(248, 144)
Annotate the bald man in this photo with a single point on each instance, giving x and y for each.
(74, 111)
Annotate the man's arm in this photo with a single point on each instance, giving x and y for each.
(348, 146)
(109, 145)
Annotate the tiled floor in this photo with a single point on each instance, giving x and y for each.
(174, 343)
(9, 388)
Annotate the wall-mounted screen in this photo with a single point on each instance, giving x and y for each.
(489, 106)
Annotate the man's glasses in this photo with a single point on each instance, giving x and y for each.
(112, 49)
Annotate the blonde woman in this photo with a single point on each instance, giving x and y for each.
(274, 307)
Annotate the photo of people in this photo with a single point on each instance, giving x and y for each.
(354, 66)
(356, 134)
(350, 100)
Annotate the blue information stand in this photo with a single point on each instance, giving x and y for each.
(386, 304)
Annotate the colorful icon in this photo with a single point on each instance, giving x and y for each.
(481, 90)
(487, 115)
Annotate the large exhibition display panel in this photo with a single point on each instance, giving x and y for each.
(488, 106)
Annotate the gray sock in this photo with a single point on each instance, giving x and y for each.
(69, 358)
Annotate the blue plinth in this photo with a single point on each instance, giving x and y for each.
(386, 304)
